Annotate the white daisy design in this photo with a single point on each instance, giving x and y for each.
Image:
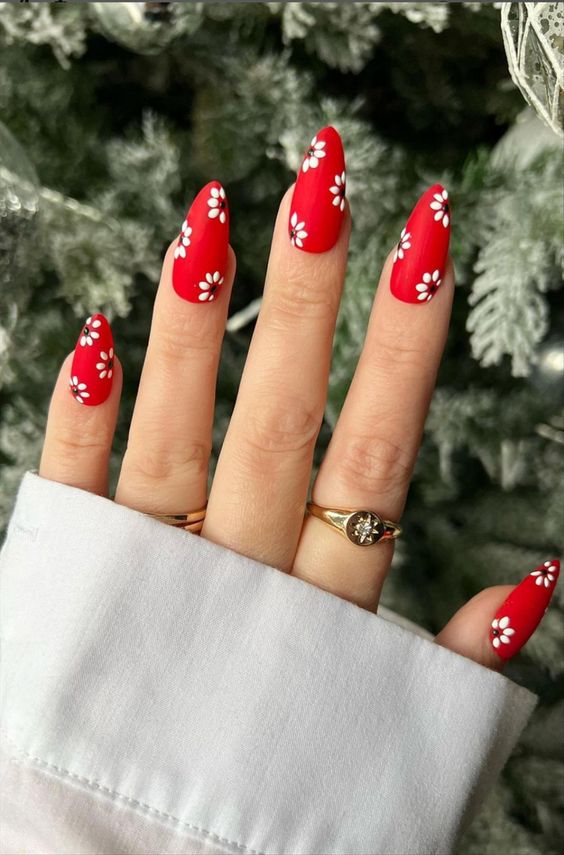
(546, 575)
(501, 631)
(441, 207)
(403, 245)
(429, 286)
(78, 389)
(210, 286)
(297, 232)
(89, 334)
(338, 190)
(313, 155)
(106, 368)
(217, 204)
(183, 240)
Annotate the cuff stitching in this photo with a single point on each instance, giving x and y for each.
(115, 794)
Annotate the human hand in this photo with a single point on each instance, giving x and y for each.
(257, 500)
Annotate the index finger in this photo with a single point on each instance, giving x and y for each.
(371, 456)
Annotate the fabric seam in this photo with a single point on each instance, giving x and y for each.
(116, 795)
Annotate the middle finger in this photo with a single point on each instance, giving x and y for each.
(256, 504)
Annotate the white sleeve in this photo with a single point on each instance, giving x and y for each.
(163, 694)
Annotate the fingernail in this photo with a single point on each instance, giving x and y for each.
(318, 203)
(92, 370)
(422, 250)
(523, 610)
(200, 256)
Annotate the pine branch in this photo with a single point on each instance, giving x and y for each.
(516, 265)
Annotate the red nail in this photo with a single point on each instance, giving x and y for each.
(318, 203)
(92, 371)
(200, 257)
(421, 254)
(523, 610)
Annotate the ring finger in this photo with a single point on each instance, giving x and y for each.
(165, 467)
(370, 458)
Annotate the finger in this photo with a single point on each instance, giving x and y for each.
(165, 468)
(83, 412)
(260, 485)
(370, 458)
(497, 622)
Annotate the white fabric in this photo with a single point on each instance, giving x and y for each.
(41, 813)
(161, 693)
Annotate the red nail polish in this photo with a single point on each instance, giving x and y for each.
(92, 371)
(523, 610)
(318, 203)
(200, 256)
(421, 254)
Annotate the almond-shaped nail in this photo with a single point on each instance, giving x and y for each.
(421, 254)
(318, 202)
(92, 370)
(200, 256)
(523, 610)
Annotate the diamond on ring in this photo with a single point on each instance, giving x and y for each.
(364, 528)
(358, 525)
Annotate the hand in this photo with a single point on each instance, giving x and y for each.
(256, 504)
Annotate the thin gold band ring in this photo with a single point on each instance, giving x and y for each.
(191, 521)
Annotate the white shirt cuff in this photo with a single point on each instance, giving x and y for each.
(190, 685)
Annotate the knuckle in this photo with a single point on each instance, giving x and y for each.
(375, 464)
(398, 354)
(73, 444)
(157, 464)
(298, 297)
(185, 337)
(283, 423)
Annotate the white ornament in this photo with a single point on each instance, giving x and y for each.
(533, 35)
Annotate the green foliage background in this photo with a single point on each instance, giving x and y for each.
(111, 118)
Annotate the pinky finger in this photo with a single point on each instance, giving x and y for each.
(83, 412)
(495, 624)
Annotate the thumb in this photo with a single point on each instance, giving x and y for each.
(495, 624)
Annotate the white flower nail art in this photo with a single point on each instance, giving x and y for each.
(546, 575)
(428, 288)
(217, 204)
(78, 389)
(313, 155)
(501, 631)
(339, 190)
(89, 334)
(441, 207)
(210, 286)
(183, 240)
(297, 231)
(403, 245)
(106, 368)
